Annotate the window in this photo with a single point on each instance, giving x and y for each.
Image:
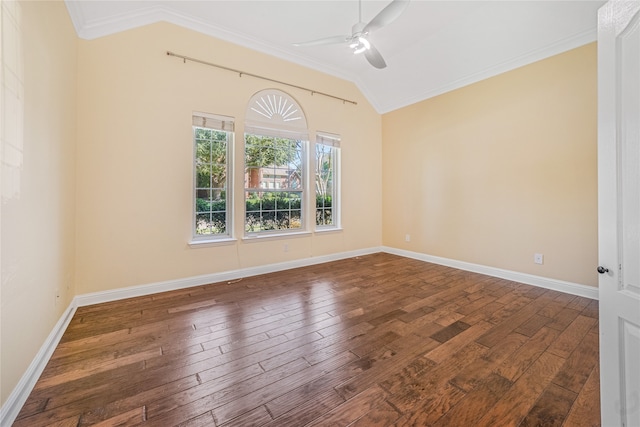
(275, 167)
(274, 177)
(213, 139)
(326, 180)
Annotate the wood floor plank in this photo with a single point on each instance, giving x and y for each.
(551, 409)
(72, 404)
(398, 360)
(401, 379)
(192, 306)
(381, 415)
(204, 420)
(516, 403)
(69, 422)
(533, 325)
(352, 409)
(516, 364)
(86, 369)
(309, 410)
(433, 405)
(571, 336)
(278, 388)
(311, 390)
(564, 319)
(376, 340)
(112, 409)
(510, 323)
(505, 311)
(476, 372)
(130, 417)
(478, 303)
(254, 418)
(586, 408)
(450, 331)
(472, 406)
(452, 346)
(409, 317)
(207, 386)
(32, 407)
(579, 364)
(579, 303)
(429, 382)
(591, 310)
(483, 313)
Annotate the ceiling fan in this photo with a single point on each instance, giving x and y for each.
(359, 39)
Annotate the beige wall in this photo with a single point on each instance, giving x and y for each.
(38, 171)
(497, 171)
(135, 152)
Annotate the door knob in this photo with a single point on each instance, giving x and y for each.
(602, 269)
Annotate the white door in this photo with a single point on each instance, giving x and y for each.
(619, 211)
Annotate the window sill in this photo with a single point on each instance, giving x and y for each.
(278, 236)
(212, 242)
(329, 230)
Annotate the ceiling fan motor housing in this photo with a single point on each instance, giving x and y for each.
(356, 30)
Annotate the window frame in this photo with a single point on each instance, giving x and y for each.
(216, 123)
(276, 114)
(303, 185)
(328, 140)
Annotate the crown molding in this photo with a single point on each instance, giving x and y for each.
(90, 30)
(145, 15)
(527, 58)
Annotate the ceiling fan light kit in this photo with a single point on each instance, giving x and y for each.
(360, 45)
(358, 40)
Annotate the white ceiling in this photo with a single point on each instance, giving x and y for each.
(432, 48)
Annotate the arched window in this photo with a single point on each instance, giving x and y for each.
(276, 137)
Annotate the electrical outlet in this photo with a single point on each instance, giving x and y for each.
(407, 237)
(285, 248)
(538, 258)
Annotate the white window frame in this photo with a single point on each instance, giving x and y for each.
(221, 124)
(274, 113)
(304, 190)
(333, 141)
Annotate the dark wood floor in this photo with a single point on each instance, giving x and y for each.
(377, 340)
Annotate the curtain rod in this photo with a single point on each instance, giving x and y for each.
(242, 73)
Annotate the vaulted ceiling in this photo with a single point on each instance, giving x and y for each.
(431, 48)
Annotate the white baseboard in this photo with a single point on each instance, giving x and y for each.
(529, 279)
(16, 400)
(171, 285)
(20, 393)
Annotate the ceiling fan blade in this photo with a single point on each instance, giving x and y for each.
(326, 40)
(386, 15)
(374, 57)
